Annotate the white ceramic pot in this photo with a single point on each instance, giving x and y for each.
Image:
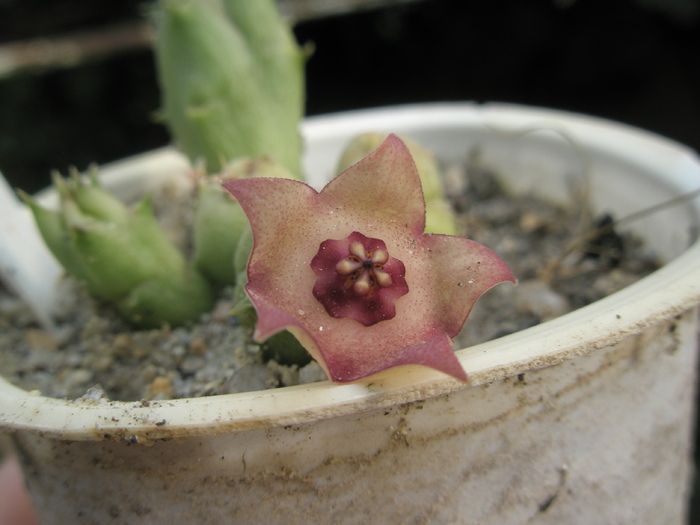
(584, 419)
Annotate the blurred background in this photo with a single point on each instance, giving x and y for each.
(78, 84)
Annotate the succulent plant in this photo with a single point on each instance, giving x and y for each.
(232, 82)
(351, 273)
(349, 270)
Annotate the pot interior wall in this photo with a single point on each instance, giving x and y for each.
(534, 153)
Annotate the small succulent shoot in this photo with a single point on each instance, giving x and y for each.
(220, 226)
(439, 216)
(121, 255)
(232, 79)
(351, 273)
(222, 245)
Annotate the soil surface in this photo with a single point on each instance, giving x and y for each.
(562, 259)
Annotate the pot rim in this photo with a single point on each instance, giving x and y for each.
(666, 293)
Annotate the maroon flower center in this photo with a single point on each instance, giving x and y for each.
(357, 278)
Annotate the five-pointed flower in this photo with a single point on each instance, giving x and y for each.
(349, 271)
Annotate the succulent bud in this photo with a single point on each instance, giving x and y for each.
(439, 218)
(121, 255)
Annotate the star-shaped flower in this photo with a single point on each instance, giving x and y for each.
(349, 271)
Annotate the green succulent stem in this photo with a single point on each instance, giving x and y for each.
(121, 255)
(221, 229)
(232, 79)
(223, 242)
(219, 223)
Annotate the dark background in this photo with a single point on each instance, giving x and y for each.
(636, 62)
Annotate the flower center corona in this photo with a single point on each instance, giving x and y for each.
(357, 278)
(364, 269)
